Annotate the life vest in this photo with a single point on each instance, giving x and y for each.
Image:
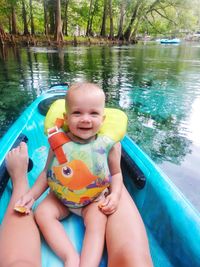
(74, 178)
(81, 170)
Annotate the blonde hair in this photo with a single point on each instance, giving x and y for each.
(87, 86)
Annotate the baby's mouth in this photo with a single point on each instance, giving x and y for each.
(84, 129)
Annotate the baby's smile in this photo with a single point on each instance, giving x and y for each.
(84, 128)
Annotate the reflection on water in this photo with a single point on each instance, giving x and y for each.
(158, 87)
(194, 126)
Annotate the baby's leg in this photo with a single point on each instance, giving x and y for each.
(47, 216)
(93, 244)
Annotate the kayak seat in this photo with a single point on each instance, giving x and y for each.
(129, 167)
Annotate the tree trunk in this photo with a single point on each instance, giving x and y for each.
(111, 35)
(103, 27)
(134, 33)
(58, 36)
(92, 16)
(121, 21)
(127, 34)
(95, 6)
(88, 31)
(65, 24)
(32, 20)
(9, 24)
(46, 28)
(24, 17)
(51, 8)
(13, 21)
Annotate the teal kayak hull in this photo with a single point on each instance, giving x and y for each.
(172, 224)
(170, 41)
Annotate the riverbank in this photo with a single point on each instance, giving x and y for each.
(42, 40)
(7, 39)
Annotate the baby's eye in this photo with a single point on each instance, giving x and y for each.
(94, 113)
(76, 112)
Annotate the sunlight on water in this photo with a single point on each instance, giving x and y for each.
(194, 124)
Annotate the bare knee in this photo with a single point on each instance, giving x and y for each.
(97, 223)
(42, 215)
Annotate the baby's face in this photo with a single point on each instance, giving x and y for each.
(85, 113)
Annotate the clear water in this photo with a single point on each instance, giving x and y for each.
(157, 85)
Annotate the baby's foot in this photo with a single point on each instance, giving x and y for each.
(17, 162)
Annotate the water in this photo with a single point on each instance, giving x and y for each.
(158, 86)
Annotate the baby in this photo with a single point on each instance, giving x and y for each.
(85, 114)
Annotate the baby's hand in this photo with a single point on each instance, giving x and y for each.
(24, 204)
(109, 204)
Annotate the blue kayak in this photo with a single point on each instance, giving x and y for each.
(172, 224)
(170, 41)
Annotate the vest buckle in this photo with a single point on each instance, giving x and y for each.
(53, 130)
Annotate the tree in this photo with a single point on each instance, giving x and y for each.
(89, 22)
(92, 9)
(65, 24)
(103, 26)
(135, 11)
(58, 36)
(13, 21)
(121, 21)
(32, 21)
(52, 15)
(10, 9)
(111, 35)
(122, 18)
(24, 17)
(46, 28)
(156, 9)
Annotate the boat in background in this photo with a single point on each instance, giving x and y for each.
(172, 223)
(170, 41)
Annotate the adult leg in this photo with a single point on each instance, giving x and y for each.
(94, 239)
(19, 235)
(48, 216)
(126, 237)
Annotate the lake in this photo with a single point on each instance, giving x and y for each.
(158, 86)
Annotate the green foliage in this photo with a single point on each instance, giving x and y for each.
(154, 17)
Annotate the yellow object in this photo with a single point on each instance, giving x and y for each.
(114, 125)
(74, 196)
(20, 209)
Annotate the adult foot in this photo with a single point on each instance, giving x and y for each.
(17, 162)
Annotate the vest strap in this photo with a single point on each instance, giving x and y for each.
(59, 122)
(56, 140)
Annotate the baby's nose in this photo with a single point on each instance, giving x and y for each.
(86, 118)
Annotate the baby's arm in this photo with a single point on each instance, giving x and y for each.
(36, 191)
(110, 204)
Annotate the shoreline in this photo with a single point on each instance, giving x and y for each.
(48, 41)
(44, 41)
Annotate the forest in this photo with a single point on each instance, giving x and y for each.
(125, 20)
